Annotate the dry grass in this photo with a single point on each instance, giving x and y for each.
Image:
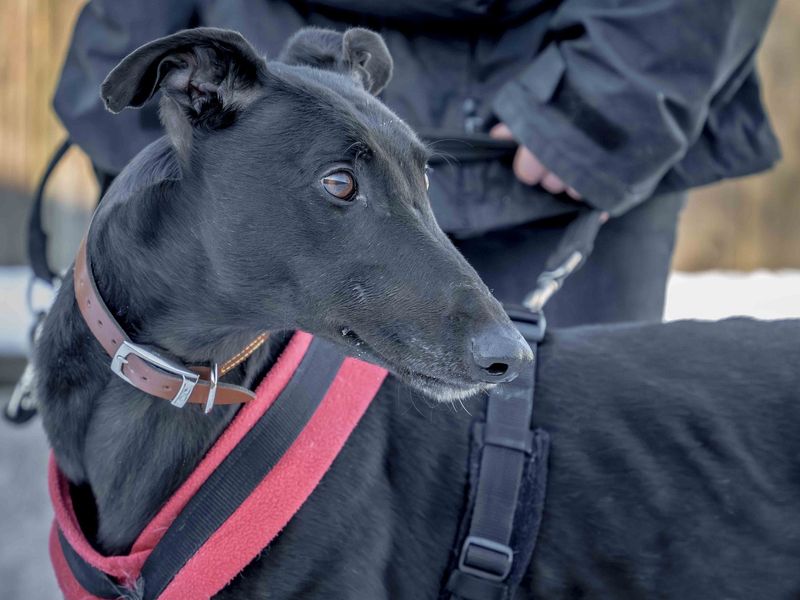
(740, 224)
(34, 36)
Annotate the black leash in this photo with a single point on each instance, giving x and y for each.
(573, 249)
(37, 236)
(21, 406)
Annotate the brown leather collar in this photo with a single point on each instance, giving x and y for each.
(147, 370)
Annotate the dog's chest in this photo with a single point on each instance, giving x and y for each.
(383, 520)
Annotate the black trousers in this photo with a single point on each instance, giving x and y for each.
(623, 280)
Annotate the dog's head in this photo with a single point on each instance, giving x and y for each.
(312, 202)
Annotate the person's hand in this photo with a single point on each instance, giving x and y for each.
(530, 171)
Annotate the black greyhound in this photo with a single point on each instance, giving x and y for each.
(286, 197)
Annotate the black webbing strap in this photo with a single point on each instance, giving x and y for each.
(37, 237)
(92, 580)
(231, 482)
(508, 471)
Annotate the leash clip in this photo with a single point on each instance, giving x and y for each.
(550, 282)
(189, 379)
(23, 404)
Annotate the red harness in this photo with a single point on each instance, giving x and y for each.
(264, 512)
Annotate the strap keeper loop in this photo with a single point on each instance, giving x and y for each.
(512, 438)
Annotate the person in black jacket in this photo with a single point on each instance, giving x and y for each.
(621, 105)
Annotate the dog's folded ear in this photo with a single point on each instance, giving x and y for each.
(206, 75)
(358, 52)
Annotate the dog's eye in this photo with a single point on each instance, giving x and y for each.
(339, 184)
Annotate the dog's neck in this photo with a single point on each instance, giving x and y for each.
(172, 302)
(154, 275)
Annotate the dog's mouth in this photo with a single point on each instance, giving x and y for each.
(442, 390)
(437, 387)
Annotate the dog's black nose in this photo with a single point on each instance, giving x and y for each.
(498, 354)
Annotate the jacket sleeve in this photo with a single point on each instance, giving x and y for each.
(623, 88)
(106, 32)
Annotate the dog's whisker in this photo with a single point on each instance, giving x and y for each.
(450, 159)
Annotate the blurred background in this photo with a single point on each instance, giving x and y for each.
(738, 249)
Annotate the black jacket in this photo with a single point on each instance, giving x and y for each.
(621, 99)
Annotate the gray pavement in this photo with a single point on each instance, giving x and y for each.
(25, 513)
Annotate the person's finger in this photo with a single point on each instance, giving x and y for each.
(529, 170)
(553, 184)
(527, 167)
(501, 132)
(573, 193)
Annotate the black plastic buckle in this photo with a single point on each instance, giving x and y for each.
(479, 566)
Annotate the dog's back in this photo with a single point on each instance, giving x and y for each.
(675, 462)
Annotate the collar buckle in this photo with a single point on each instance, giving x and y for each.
(212, 391)
(188, 378)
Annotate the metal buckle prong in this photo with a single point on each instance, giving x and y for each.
(189, 378)
(212, 391)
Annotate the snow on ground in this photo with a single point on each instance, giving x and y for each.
(720, 294)
(15, 319)
(706, 295)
